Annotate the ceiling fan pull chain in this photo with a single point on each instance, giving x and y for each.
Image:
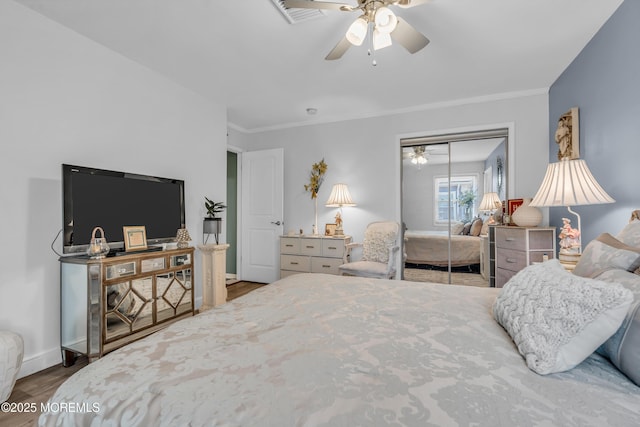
(371, 51)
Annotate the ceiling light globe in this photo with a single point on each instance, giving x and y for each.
(357, 32)
(381, 40)
(385, 20)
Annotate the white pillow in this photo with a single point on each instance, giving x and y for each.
(557, 319)
(457, 227)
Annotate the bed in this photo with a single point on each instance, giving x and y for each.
(322, 350)
(432, 248)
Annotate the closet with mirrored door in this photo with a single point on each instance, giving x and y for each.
(453, 189)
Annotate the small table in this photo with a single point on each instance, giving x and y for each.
(214, 271)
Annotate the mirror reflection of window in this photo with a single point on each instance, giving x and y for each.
(460, 193)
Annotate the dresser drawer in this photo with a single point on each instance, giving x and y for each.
(312, 247)
(511, 238)
(289, 245)
(333, 248)
(120, 270)
(326, 265)
(295, 263)
(511, 260)
(503, 276)
(152, 264)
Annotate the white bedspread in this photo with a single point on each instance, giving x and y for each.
(319, 350)
(432, 248)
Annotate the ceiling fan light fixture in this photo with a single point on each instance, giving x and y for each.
(385, 20)
(381, 40)
(357, 32)
(419, 160)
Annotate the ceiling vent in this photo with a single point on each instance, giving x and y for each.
(295, 16)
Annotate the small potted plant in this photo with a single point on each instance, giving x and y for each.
(212, 223)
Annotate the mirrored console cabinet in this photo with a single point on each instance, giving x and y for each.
(107, 303)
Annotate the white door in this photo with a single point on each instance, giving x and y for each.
(262, 188)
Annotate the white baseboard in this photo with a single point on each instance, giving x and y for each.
(49, 358)
(37, 363)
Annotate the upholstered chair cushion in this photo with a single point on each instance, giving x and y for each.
(364, 269)
(378, 238)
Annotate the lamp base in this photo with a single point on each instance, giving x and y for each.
(569, 260)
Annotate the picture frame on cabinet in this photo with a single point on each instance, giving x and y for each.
(330, 229)
(512, 205)
(135, 238)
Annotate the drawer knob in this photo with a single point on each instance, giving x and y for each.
(509, 239)
(310, 247)
(294, 263)
(511, 260)
(326, 266)
(289, 246)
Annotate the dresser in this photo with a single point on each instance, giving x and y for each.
(518, 247)
(309, 254)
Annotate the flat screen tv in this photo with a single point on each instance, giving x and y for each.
(111, 200)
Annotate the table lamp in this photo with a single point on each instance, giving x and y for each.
(338, 198)
(490, 202)
(570, 183)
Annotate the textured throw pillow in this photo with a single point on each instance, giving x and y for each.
(623, 348)
(476, 227)
(376, 244)
(557, 319)
(606, 253)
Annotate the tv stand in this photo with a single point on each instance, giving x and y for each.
(121, 251)
(109, 302)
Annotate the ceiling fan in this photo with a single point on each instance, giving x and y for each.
(377, 21)
(420, 154)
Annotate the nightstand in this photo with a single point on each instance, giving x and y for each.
(518, 247)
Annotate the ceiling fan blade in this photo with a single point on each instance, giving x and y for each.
(409, 37)
(338, 50)
(411, 3)
(306, 4)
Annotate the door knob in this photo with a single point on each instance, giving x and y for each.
(276, 222)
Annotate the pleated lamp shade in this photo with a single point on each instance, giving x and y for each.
(339, 197)
(490, 201)
(569, 183)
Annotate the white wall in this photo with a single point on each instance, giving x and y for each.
(66, 99)
(365, 154)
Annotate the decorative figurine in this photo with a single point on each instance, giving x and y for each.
(569, 237)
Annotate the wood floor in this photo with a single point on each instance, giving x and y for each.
(39, 387)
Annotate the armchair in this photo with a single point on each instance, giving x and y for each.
(379, 252)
